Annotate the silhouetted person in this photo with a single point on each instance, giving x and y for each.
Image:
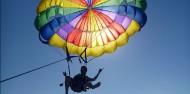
(80, 82)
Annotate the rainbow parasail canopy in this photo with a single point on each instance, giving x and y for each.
(98, 25)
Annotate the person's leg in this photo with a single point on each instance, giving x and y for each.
(90, 85)
(66, 88)
(68, 80)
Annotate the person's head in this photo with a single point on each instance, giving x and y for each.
(83, 70)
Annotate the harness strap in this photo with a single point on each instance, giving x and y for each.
(69, 58)
(84, 59)
(69, 69)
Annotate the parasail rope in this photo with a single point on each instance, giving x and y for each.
(32, 70)
(69, 69)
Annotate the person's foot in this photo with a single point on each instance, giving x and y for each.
(97, 85)
(64, 73)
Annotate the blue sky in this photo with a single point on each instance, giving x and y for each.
(156, 60)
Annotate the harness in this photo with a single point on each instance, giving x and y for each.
(78, 82)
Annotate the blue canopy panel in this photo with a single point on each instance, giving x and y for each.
(124, 3)
(72, 16)
(62, 21)
(113, 9)
(46, 32)
(137, 14)
(122, 10)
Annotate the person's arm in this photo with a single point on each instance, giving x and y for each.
(93, 79)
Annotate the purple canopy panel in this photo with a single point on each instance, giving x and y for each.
(64, 31)
(110, 14)
(63, 34)
(76, 20)
(119, 19)
(126, 22)
(68, 28)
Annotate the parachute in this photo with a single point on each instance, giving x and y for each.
(99, 26)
